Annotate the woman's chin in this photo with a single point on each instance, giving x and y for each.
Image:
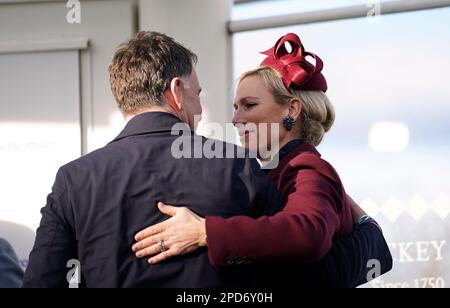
(252, 145)
(247, 141)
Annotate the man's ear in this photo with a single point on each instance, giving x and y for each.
(295, 108)
(176, 97)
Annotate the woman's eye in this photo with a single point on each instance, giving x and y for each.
(249, 106)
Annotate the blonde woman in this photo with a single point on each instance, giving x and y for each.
(290, 91)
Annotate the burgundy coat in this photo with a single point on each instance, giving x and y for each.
(316, 211)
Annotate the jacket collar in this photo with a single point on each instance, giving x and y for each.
(150, 122)
(290, 151)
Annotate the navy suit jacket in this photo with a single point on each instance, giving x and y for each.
(11, 273)
(100, 201)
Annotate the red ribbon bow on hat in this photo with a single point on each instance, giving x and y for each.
(295, 70)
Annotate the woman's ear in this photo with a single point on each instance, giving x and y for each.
(295, 108)
(176, 97)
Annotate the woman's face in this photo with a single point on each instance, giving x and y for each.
(255, 109)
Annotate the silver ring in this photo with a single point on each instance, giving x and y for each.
(162, 246)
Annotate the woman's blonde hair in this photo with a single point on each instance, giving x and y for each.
(317, 114)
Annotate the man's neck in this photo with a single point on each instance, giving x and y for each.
(130, 116)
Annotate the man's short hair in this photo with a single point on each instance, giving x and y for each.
(143, 67)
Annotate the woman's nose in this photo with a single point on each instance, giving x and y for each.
(237, 118)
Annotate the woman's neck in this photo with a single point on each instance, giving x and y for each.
(275, 149)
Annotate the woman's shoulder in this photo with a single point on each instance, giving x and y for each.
(307, 158)
(304, 166)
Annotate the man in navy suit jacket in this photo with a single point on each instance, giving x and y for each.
(11, 273)
(100, 201)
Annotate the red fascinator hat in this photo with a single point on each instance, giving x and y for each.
(295, 70)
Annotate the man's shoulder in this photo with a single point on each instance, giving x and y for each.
(88, 162)
(215, 148)
(85, 159)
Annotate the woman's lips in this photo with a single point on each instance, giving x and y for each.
(248, 137)
(244, 133)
